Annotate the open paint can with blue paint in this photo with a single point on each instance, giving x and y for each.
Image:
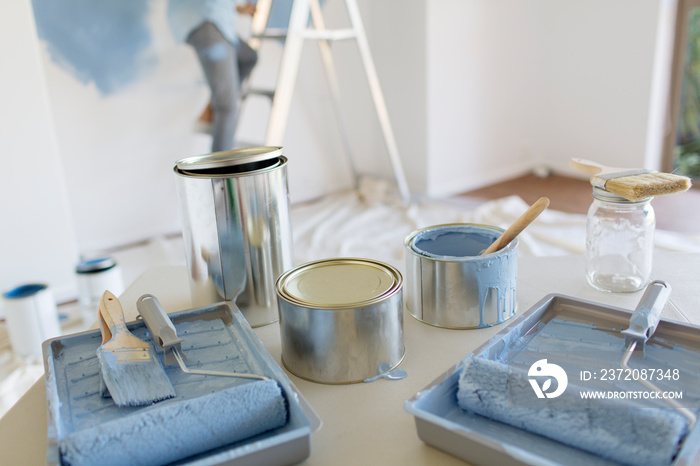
(448, 284)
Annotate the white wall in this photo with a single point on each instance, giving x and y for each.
(599, 79)
(397, 36)
(37, 237)
(118, 149)
(484, 75)
(513, 84)
(478, 91)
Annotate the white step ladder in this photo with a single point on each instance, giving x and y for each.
(294, 37)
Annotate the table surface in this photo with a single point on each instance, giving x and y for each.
(367, 422)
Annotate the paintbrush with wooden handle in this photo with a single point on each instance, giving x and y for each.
(518, 226)
(632, 184)
(128, 365)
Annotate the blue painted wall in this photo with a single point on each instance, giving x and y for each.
(106, 42)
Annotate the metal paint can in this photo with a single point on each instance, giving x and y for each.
(32, 317)
(341, 320)
(450, 285)
(236, 228)
(94, 277)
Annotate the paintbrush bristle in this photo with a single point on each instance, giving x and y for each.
(134, 377)
(646, 185)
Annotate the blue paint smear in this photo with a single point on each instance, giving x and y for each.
(105, 42)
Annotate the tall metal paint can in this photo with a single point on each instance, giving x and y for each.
(236, 228)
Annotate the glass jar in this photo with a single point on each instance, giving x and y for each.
(619, 242)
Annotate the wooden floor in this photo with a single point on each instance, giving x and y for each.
(678, 212)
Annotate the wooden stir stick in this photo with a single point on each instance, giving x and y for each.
(519, 225)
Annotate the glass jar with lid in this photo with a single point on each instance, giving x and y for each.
(619, 242)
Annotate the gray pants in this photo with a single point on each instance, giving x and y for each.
(225, 67)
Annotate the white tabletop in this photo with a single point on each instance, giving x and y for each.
(366, 423)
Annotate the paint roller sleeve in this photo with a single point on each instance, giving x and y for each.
(174, 430)
(629, 435)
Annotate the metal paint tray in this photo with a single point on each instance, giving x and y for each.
(216, 338)
(441, 423)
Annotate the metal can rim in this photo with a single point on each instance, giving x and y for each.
(99, 264)
(281, 162)
(283, 280)
(25, 291)
(408, 243)
(229, 158)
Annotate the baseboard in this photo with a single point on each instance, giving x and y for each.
(478, 180)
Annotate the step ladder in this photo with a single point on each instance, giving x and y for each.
(294, 36)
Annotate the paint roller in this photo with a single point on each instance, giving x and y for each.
(176, 429)
(619, 430)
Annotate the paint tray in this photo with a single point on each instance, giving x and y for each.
(220, 339)
(441, 423)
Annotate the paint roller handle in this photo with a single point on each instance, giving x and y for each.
(164, 334)
(648, 313)
(518, 226)
(158, 323)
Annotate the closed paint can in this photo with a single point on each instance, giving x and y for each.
(450, 285)
(236, 228)
(341, 320)
(94, 277)
(32, 317)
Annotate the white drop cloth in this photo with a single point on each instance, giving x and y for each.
(372, 224)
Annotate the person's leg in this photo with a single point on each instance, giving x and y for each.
(217, 57)
(247, 58)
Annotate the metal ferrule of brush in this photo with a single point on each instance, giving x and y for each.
(600, 179)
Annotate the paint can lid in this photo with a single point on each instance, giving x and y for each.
(339, 283)
(99, 264)
(25, 291)
(230, 158)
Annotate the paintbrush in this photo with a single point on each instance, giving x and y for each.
(106, 336)
(128, 365)
(518, 226)
(632, 184)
